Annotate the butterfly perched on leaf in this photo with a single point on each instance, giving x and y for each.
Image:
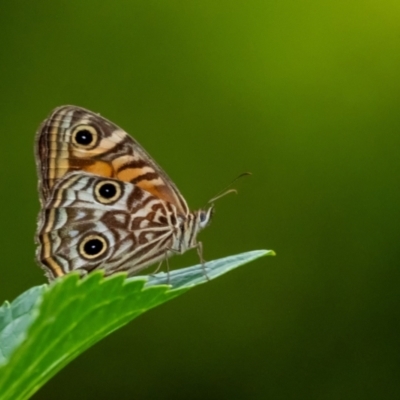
(105, 203)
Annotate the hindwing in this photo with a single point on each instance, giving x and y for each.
(90, 222)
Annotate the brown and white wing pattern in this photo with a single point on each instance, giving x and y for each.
(74, 139)
(106, 204)
(91, 222)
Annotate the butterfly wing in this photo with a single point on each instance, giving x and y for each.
(90, 222)
(75, 139)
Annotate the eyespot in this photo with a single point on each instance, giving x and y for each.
(107, 192)
(93, 246)
(85, 137)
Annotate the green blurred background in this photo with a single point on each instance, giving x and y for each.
(305, 95)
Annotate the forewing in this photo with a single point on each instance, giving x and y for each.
(112, 153)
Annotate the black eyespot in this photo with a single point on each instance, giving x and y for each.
(84, 137)
(93, 246)
(108, 190)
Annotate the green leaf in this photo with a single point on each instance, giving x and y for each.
(49, 325)
(15, 320)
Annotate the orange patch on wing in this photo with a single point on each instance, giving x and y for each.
(128, 175)
(157, 191)
(100, 168)
(148, 187)
(155, 186)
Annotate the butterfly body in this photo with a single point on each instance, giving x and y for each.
(105, 203)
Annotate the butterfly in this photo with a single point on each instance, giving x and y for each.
(105, 203)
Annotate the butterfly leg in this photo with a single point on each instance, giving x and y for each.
(199, 247)
(158, 268)
(166, 261)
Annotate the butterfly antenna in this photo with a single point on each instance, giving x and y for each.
(226, 191)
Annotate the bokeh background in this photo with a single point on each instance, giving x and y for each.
(305, 95)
